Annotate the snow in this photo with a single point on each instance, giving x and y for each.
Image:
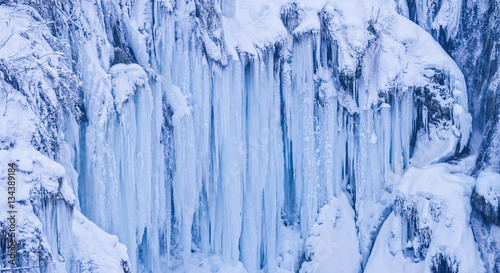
(199, 263)
(124, 79)
(256, 24)
(179, 105)
(436, 147)
(99, 252)
(289, 249)
(488, 186)
(429, 226)
(333, 242)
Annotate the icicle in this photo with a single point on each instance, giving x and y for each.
(425, 117)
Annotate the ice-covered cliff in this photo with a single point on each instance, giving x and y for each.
(39, 107)
(241, 136)
(469, 32)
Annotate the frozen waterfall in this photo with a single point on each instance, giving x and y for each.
(242, 136)
(254, 142)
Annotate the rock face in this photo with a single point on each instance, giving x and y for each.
(240, 136)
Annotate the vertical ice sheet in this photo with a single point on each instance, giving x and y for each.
(122, 143)
(332, 146)
(263, 196)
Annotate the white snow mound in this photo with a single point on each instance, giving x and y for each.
(429, 230)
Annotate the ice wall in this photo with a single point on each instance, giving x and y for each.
(307, 111)
(213, 132)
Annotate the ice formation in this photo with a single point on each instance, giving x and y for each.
(52, 234)
(240, 136)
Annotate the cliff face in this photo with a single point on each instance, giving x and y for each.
(240, 136)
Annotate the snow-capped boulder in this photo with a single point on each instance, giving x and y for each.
(429, 229)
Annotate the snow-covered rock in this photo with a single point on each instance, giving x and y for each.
(486, 197)
(333, 242)
(51, 233)
(429, 229)
(39, 99)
